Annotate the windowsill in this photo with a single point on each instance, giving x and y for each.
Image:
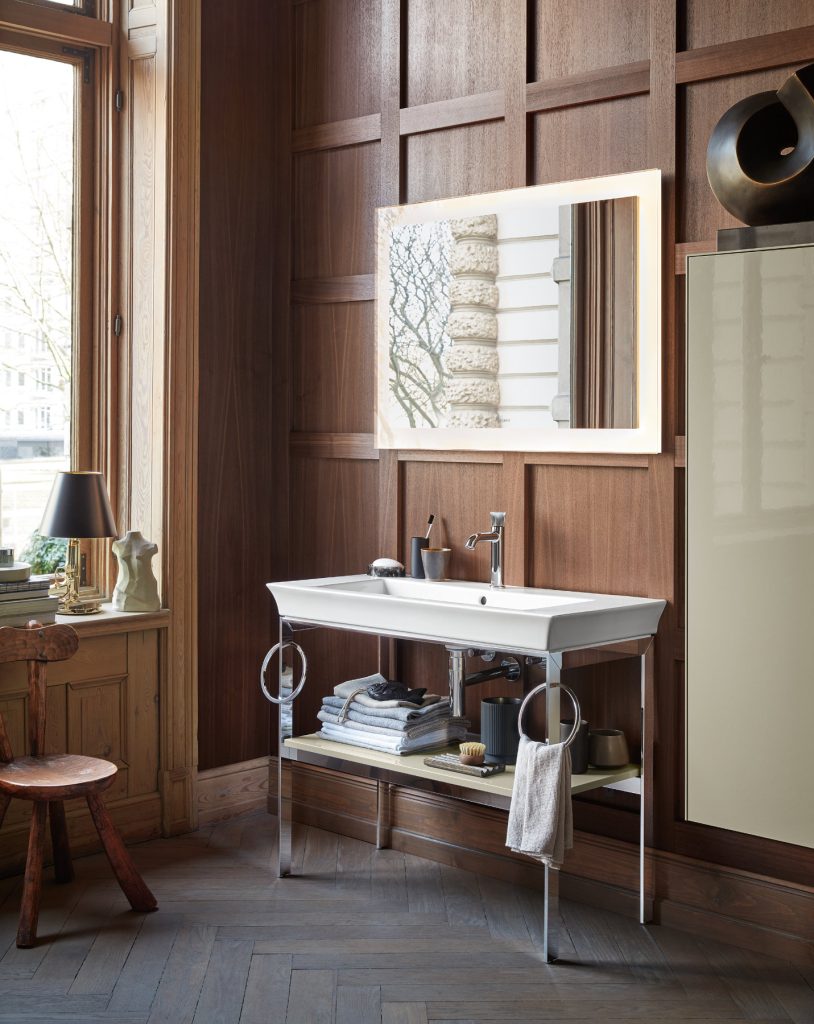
(111, 621)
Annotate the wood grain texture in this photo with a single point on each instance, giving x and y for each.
(705, 25)
(618, 34)
(429, 117)
(589, 87)
(235, 489)
(445, 61)
(335, 237)
(734, 53)
(456, 161)
(333, 367)
(341, 38)
(337, 134)
(559, 140)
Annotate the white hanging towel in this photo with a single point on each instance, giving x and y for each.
(541, 821)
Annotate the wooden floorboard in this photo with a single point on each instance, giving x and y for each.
(363, 936)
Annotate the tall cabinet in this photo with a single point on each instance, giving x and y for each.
(750, 542)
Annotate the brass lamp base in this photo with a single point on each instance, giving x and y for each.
(78, 607)
(70, 603)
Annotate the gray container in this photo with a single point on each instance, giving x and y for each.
(579, 748)
(498, 729)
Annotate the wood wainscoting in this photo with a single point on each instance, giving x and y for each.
(103, 702)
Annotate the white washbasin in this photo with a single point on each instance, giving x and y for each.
(521, 619)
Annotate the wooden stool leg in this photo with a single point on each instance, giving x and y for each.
(124, 869)
(4, 802)
(32, 886)
(63, 867)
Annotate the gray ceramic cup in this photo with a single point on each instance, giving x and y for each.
(435, 562)
(608, 748)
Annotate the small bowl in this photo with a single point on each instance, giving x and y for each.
(607, 748)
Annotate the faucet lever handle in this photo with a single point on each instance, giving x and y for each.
(498, 519)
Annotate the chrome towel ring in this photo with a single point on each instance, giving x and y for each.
(294, 693)
(541, 689)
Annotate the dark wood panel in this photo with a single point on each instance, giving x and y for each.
(583, 35)
(336, 134)
(353, 288)
(235, 490)
(485, 106)
(589, 87)
(704, 103)
(333, 367)
(333, 446)
(449, 55)
(336, 63)
(617, 131)
(461, 496)
(744, 56)
(726, 21)
(333, 521)
(588, 529)
(457, 161)
(335, 195)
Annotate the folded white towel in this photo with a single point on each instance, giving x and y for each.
(541, 822)
(447, 733)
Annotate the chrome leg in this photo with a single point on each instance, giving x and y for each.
(457, 675)
(383, 795)
(551, 911)
(646, 887)
(284, 781)
(551, 925)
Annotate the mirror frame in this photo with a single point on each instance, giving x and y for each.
(646, 438)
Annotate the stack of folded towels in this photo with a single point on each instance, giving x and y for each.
(374, 713)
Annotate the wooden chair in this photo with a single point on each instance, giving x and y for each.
(49, 779)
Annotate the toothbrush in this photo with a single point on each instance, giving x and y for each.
(430, 521)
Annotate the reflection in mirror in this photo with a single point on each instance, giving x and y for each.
(525, 320)
(515, 319)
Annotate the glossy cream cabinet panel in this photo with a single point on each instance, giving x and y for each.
(750, 542)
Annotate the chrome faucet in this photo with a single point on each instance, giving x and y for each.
(495, 538)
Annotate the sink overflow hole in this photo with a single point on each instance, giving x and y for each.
(483, 600)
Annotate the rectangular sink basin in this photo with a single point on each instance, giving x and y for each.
(460, 613)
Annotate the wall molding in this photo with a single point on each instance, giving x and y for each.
(232, 789)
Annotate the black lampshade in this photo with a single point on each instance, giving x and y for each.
(78, 507)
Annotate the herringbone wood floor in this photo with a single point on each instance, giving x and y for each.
(362, 936)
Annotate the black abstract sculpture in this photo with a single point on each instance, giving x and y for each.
(760, 158)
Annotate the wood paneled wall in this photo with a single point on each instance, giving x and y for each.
(407, 100)
(236, 474)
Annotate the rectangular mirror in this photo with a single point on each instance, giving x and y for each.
(526, 320)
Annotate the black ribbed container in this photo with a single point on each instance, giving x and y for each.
(498, 728)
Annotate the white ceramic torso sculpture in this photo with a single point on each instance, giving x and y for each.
(136, 587)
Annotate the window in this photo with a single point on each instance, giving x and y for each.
(46, 261)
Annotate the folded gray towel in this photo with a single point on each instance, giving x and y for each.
(444, 735)
(401, 713)
(382, 727)
(540, 817)
(349, 688)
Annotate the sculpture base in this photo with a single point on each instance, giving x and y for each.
(766, 236)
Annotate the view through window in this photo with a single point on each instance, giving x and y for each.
(37, 211)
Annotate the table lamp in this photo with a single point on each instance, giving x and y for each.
(77, 508)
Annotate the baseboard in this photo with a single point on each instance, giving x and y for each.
(137, 818)
(735, 906)
(232, 789)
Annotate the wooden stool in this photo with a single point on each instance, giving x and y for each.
(48, 779)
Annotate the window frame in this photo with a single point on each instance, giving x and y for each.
(90, 51)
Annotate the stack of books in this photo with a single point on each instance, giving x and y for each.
(23, 600)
